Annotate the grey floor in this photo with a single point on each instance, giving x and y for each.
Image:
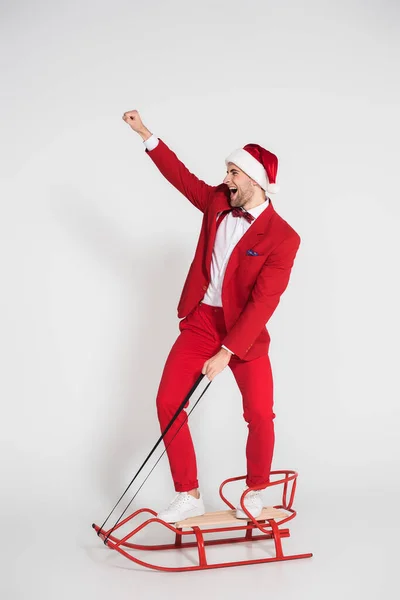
(355, 546)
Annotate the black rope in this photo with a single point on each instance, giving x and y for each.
(179, 428)
(179, 410)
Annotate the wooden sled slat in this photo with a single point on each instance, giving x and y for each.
(224, 517)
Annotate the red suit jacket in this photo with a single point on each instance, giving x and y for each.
(253, 284)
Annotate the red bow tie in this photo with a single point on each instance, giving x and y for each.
(238, 212)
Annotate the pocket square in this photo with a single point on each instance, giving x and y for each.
(252, 253)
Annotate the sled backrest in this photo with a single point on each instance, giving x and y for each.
(286, 478)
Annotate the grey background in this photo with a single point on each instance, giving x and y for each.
(95, 246)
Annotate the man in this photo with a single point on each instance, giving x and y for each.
(241, 267)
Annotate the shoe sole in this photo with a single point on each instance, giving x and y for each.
(188, 515)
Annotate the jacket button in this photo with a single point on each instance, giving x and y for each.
(205, 288)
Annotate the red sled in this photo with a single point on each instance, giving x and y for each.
(265, 527)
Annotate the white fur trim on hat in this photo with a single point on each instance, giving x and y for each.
(250, 165)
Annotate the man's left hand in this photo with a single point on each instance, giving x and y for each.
(216, 363)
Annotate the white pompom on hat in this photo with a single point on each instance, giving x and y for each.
(259, 164)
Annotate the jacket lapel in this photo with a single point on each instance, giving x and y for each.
(221, 203)
(252, 236)
(249, 238)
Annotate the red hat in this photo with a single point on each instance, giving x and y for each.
(259, 164)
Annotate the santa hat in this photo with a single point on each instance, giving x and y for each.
(259, 164)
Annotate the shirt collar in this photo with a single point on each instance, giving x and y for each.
(257, 210)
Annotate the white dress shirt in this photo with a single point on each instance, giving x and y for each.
(229, 233)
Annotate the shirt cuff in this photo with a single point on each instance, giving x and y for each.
(227, 349)
(151, 142)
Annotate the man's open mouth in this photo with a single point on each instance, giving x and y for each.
(233, 191)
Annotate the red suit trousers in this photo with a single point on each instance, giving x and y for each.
(201, 332)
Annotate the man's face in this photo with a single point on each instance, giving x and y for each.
(237, 180)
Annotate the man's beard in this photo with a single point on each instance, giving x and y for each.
(237, 201)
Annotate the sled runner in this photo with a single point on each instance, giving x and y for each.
(268, 526)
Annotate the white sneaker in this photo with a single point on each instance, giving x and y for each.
(253, 503)
(183, 506)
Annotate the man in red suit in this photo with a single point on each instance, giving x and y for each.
(240, 269)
